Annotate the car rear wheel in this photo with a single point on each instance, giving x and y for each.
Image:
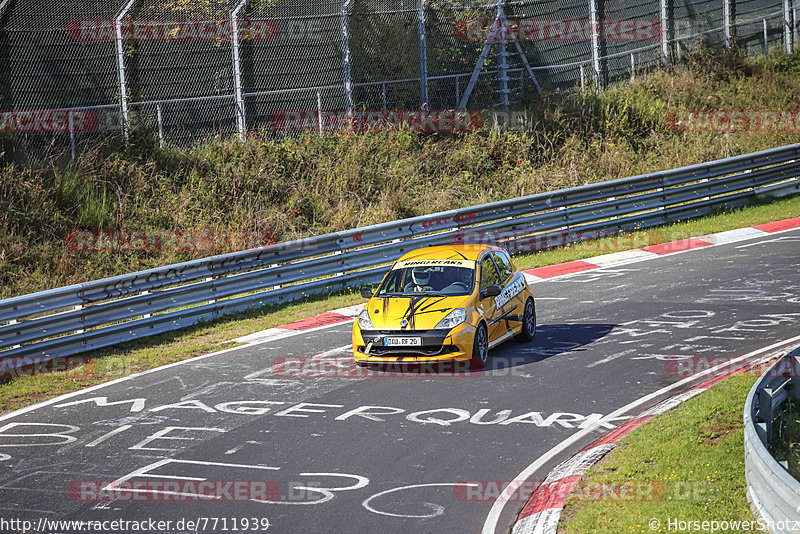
(480, 347)
(528, 323)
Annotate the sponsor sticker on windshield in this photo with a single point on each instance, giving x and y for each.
(469, 264)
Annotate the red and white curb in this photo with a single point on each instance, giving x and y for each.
(316, 322)
(663, 249)
(542, 511)
(541, 274)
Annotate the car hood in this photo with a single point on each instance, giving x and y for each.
(419, 313)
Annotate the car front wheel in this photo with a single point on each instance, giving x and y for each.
(480, 347)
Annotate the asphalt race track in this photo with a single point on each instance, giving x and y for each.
(391, 453)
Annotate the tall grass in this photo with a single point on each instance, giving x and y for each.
(309, 185)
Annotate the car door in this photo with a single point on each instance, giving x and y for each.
(511, 299)
(489, 276)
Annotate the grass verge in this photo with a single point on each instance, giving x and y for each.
(225, 195)
(691, 457)
(115, 362)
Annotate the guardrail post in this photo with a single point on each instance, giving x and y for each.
(346, 73)
(241, 126)
(595, 30)
(787, 27)
(726, 22)
(423, 55)
(121, 80)
(764, 414)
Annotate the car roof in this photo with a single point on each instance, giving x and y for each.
(449, 252)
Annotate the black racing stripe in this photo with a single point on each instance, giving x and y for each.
(411, 311)
(434, 303)
(503, 316)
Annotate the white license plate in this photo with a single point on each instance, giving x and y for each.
(402, 341)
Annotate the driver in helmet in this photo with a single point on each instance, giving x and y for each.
(420, 277)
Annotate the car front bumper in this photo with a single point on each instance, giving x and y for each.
(437, 345)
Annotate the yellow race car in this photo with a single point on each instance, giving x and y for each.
(444, 303)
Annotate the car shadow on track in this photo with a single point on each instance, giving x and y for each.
(550, 340)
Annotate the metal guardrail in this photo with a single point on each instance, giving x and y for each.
(773, 493)
(73, 319)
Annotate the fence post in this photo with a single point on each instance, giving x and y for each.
(502, 55)
(726, 22)
(595, 29)
(72, 142)
(120, 49)
(160, 125)
(423, 55)
(345, 34)
(664, 33)
(787, 27)
(241, 126)
(766, 36)
(319, 111)
(633, 68)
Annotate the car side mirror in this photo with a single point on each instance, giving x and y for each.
(366, 292)
(491, 291)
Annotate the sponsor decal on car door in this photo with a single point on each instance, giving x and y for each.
(511, 301)
(490, 277)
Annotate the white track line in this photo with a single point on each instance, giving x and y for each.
(491, 523)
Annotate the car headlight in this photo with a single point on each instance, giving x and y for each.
(453, 319)
(364, 322)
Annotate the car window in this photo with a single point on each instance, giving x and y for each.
(504, 264)
(394, 283)
(489, 274)
(443, 280)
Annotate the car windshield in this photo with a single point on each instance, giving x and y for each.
(429, 280)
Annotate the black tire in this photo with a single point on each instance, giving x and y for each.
(528, 323)
(480, 347)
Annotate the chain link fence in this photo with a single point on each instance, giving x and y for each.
(74, 73)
